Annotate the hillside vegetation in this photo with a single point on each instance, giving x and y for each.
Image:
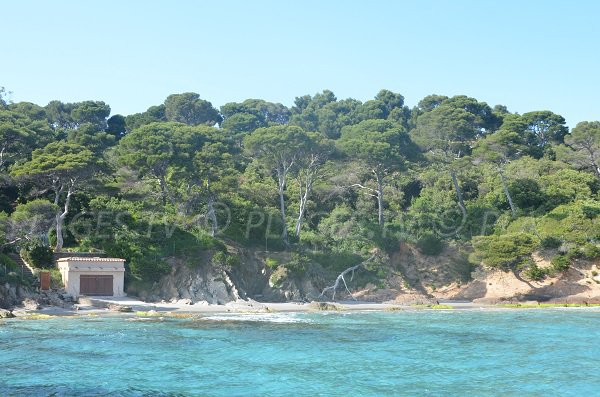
(324, 184)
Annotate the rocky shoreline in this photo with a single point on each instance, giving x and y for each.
(187, 291)
(132, 307)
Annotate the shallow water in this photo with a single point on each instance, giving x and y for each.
(551, 352)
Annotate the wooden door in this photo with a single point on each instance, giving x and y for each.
(96, 285)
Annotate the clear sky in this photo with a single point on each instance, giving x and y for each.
(527, 55)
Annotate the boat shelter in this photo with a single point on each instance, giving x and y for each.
(92, 276)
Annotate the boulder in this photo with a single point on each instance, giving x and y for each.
(324, 306)
(30, 304)
(185, 302)
(119, 308)
(6, 313)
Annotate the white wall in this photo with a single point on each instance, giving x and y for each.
(71, 271)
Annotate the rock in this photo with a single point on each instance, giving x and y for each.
(30, 304)
(67, 298)
(324, 306)
(119, 308)
(187, 285)
(185, 302)
(6, 313)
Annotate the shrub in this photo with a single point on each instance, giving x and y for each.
(590, 209)
(591, 251)
(560, 263)
(56, 278)
(232, 260)
(219, 258)
(278, 277)
(503, 251)
(430, 245)
(9, 263)
(337, 260)
(573, 253)
(298, 264)
(569, 223)
(271, 263)
(13, 278)
(534, 272)
(551, 242)
(38, 255)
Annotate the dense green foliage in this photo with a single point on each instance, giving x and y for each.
(330, 180)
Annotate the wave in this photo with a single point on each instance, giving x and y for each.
(282, 318)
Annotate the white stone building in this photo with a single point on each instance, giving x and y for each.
(92, 276)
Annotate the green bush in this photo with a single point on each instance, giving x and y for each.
(56, 278)
(337, 260)
(590, 209)
(38, 255)
(591, 251)
(574, 253)
(278, 277)
(219, 258)
(13, 278)
(232, 261)
(551, 242)
(560, 263)
(569, 223)
(503, 251)
(271, 263)
(431, 245)
(534, 272)
(9, 263)
(298, 264)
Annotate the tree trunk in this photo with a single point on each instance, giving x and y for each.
(2, 156)
(212, 216)
(595, 166)
(60, 219)
(301, 212)
(592, 156)
(459, 196)
(281, 188)
(513, 209)
(59, 236)
(211, 211)
(304, 194)
(165, 192)
(299, 220)
(379, 199)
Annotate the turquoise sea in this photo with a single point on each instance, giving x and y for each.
(538, 352)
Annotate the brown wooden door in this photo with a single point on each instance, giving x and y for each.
(44, 281)
(96, 285)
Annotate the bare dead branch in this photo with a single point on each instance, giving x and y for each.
(341, 278)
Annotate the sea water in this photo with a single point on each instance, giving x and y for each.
(538, 352)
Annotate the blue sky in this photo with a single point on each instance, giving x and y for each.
(527, 55)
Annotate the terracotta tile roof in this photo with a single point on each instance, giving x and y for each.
(88, 259)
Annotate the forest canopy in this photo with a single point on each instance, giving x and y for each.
(335, 176)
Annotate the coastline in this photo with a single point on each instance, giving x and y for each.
(111, 307)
